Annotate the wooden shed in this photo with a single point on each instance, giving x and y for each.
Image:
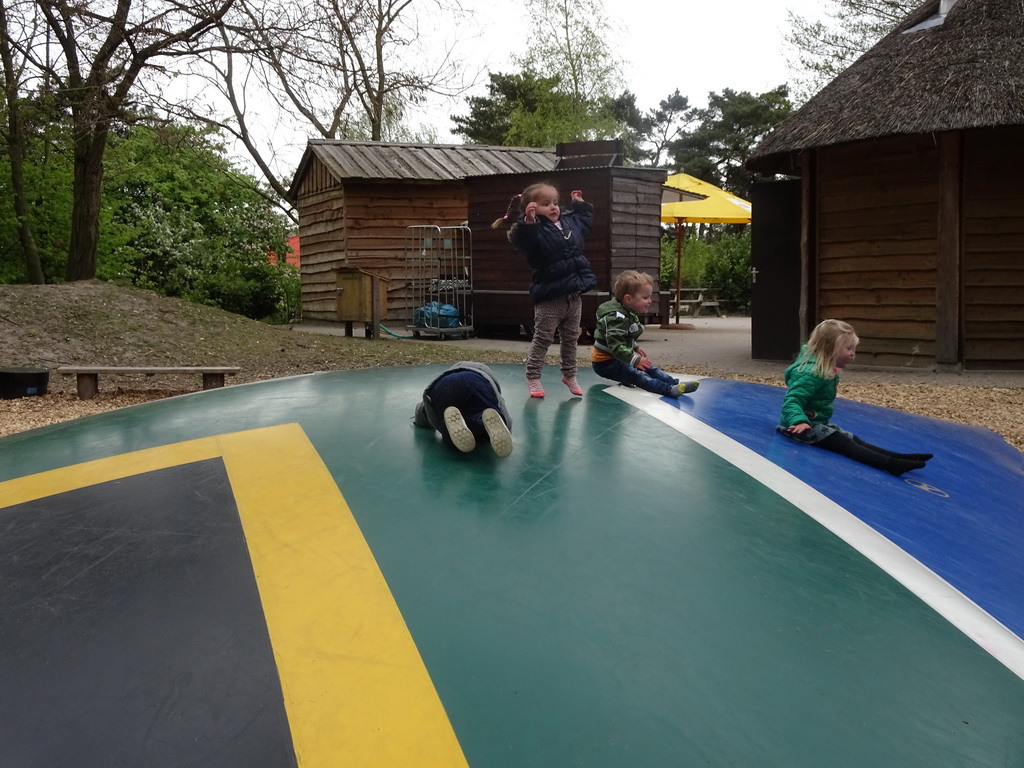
(356, 201)
(910, 207)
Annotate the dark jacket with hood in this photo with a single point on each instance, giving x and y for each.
(556, 255)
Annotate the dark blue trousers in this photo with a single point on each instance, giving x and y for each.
(468, 391)
(652, 380)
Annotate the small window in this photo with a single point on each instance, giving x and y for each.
(933, 21)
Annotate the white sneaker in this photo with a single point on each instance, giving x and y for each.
(498, 431)
(460, 434)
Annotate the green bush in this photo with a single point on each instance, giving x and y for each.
(722, 263)
(181, 224)
(728, 269)
(695, 254)
(290, 307)
(252, 287)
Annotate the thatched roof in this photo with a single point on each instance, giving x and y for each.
(419, 162)
(966, 72)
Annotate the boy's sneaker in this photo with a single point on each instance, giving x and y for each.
(460, 434)
(498, 432)
(536, 390)
(686, 387)
(573, 385)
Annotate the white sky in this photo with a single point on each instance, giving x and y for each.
(697, 46)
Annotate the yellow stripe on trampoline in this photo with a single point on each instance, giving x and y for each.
(54, 481)
(355, 687)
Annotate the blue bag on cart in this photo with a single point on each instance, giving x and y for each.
(434, 314)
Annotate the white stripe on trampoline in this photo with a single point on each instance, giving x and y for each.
(949, 602)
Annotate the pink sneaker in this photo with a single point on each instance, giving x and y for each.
(573, 385)
(536, 390)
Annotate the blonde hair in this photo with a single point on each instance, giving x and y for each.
(524, 198)
(828, 337)
(629, 282)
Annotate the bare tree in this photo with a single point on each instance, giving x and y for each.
(337, 68)
(342, 68)
(823, 49)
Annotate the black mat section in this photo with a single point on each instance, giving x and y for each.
(131, 631)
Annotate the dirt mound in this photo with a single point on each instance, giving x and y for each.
(97, 323)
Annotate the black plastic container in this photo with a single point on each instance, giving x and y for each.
(23, 382)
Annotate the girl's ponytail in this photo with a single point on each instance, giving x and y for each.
(508, 212)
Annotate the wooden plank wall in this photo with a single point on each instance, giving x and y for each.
(993, 260)
(635, 227)
(877, 233)
(364, 224)
(321, 207)
(377, 218)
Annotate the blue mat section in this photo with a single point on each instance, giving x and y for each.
(962, 515)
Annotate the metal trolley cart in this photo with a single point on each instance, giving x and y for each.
(440, 284)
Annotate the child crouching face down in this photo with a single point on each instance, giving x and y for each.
(617, 354)
(811, 385)
(464, 404)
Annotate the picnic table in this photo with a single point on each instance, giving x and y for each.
(693, 300)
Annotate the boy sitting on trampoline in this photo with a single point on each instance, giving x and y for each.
(616, 354)
(464, 404)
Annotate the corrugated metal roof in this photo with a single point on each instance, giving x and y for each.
(426, 162)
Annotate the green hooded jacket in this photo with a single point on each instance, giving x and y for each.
(809, 397)
(617, 332)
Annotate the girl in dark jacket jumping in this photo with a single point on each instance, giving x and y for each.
(552, 242)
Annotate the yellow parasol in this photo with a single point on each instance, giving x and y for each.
(714, 206)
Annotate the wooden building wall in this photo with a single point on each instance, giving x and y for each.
(321, 206)
(993, 249)
(364, 224)
(626, 235)
(876, 244)
(883, 210)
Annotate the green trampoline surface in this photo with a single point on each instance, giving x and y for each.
(614, 593)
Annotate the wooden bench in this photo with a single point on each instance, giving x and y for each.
(694, 300)
(89, 375)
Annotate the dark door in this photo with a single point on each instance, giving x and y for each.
(775, 262)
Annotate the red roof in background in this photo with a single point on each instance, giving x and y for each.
(293, 256)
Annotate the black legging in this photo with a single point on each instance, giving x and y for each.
(866, 453)
(894, 454)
